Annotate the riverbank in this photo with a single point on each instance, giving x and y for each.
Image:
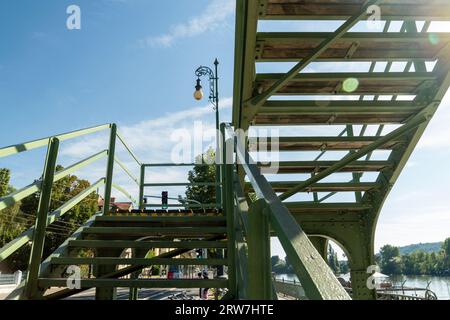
(439, 285)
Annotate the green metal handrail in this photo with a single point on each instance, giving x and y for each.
(30, 145)
(142, 185)
(20, 194)
(317, 277)
(36, 234)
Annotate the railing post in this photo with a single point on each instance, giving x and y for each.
(37, 246)
(141, 188)
(110, 169)
(258, 238)
(223, 159)
(227, 187)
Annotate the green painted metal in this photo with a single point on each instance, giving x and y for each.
(37, 246)
(190, 205)
(281, 186)
(323, 143)
(413, 123)
(123, 272)
(229, 205)
(260, 99)
(241, 227)
(109, 169)
(124, 167)
(124, 192)
(147, 244)
(350, 224)
(314, 273)
(141, 187)
(156, 165)
(26, 146)
(20, 194)
(27, 235)
(154, 230)
(259, 262)
(180, 184)
(139, 283)
(152, 219)
(133, 155)
(138, 261)
(63, 249)
(391, 10)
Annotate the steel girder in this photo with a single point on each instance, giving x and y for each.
(379, 102)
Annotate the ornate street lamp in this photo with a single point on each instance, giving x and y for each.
(214, 99)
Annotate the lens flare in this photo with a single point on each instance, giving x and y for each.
(434, 38)
(350, 85)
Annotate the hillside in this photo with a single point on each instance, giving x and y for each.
(426, 247)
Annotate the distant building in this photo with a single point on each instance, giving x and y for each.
(115, 206)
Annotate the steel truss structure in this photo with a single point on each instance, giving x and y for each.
(358, 113)
(342, 99)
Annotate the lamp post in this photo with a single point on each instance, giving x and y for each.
(214, 99)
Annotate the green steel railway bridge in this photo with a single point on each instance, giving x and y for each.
(299, 97)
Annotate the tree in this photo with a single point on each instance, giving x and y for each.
(333, 260)
(12, 223)
(343, 266)
(289, 267)
(390, 260)
(446, 256)
(203, 173)
(4, 181)
(25, 212)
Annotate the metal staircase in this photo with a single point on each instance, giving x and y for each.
(140, 231)
(244, 225)
(173, 233)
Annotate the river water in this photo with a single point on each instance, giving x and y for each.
(439, 285)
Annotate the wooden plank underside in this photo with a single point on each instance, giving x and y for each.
(283, 186)
(323, 119)
(318, 143)
(343, 9)
(317, 166)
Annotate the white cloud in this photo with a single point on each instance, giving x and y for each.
(151, 141)
(213, 17)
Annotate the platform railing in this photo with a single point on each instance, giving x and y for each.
(145, 184)
(36, 234)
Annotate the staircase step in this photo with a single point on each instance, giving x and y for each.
(168, 212)
(145, 231)
(136, 283)
(137, 261)
(149, 221)
(146, 244)
(122, 218)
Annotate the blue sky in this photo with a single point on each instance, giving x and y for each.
(133, 63)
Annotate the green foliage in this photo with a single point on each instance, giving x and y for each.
(416, 262)
(21, 216)
(333, 260)
(343, 266)
(426, 247)
(278, 265)
(390, 259)
(202, 173)
(4, 181)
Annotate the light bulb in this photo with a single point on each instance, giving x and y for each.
(198, 94)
